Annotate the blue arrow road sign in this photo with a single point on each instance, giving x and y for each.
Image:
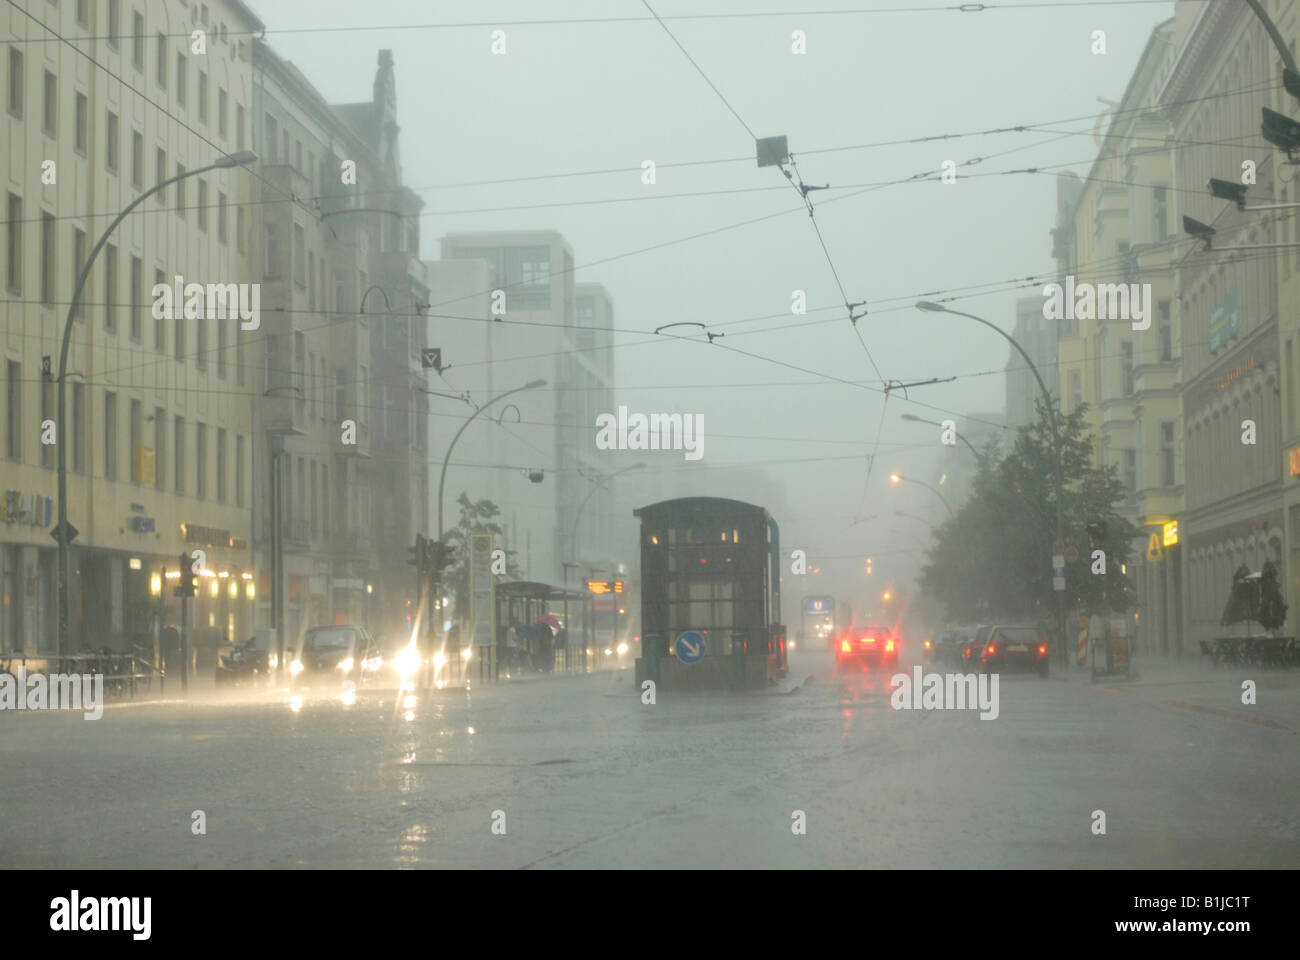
(689, 646)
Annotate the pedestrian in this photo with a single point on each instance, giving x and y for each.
(512, 645)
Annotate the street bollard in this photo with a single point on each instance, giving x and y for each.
(737, 658)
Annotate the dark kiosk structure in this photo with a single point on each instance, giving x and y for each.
(711, 566)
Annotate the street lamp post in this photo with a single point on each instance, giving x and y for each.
(931, 307)
(442, 479)
(62, 531)
(896, 478)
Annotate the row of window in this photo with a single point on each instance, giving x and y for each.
(210, 456)
(139, 299)
(50, 104)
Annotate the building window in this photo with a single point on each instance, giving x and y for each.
(201, 461)
(180, 190)
(50, 113)
(110, 435)
(178, 452)
(222, 112)
(203, 205)
(16, 76)
(299, 257)
(239, 126)
(114, 22)
(201, 342)
(1160, 213)
(14, 253)
(1165, 331)
(182, 75)
(1130, 473)
(137, 297)
(203, 97)
(78, 261)
(223, 323)
(13, 410)
(48, 262)
(110, 288)
(137, 40)
(79, 428)
(178, 335)
(221, 465)
(160, 323)
(1167, 453)
(340, 395)
(48, 412)
(270, 137)
(239, 230)
(136, 426)
(161, 75)
(239, 470)
(137, 160)
(160, 162)
(81, 126)
(83, 13)
(1126, 358)
(110, 141)
(221, 216)
(159, 438)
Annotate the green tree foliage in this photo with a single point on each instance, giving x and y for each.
(475, 516)
(994, 559)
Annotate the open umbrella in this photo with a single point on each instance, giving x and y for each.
(550, 620)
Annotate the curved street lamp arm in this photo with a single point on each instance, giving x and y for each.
(442, 480)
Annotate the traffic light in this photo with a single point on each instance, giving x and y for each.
(418, 553)
(189, 582)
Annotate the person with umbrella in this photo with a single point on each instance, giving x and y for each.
(546, 647)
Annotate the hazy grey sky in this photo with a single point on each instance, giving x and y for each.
(594, 96)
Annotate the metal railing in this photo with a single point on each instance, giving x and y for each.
(126, 675)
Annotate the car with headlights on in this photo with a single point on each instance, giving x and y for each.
(865, 647)
(1015, 647)
(340, 656)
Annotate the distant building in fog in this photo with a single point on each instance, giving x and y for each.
(1038, 336)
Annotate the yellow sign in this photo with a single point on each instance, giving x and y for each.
(145, 463)
(1294, 456)
(1154, 550)
(1170, 533)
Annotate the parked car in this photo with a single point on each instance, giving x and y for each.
(944, 648)
(341, 656)
(1016, 647)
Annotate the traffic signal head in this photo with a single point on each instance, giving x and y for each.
(418, 553)
(189, 580)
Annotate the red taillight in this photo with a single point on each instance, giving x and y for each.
(1042, 649)
(927, 644)
(845, 646)
(991, 649)
(868, 640)
(889, 646)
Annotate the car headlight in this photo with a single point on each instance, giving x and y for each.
(407, 661)
(296, 667)
(346, 664)
(274, 661)
(622, 648)
(374, 663)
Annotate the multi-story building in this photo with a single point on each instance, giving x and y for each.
(158, 437)
(1122, 361)
(1224, 72)
(543, 326)
(342, 411)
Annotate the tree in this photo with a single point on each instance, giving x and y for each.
(993, 560)
(475, 516)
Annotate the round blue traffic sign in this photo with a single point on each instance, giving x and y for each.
(689, 646)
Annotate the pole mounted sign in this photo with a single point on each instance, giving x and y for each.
(605, 586)
(689, 646)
